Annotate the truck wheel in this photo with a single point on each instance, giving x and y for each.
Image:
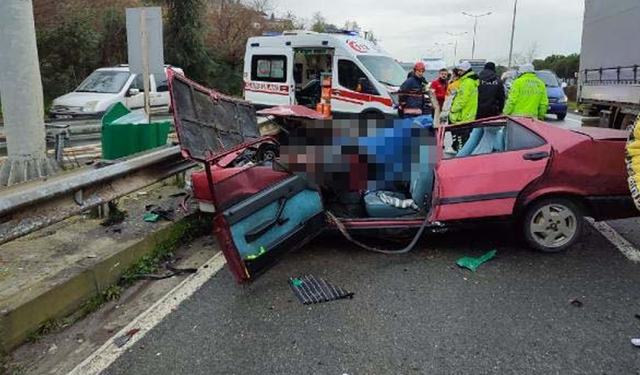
(553, 225)
(561, 116)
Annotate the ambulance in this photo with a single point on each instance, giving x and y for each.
(289, 68)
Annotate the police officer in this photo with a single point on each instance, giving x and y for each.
(465, 104)
(528, 95)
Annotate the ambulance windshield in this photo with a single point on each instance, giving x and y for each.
(385, 69)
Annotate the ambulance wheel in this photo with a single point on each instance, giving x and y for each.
(553, 225)
(372, 114)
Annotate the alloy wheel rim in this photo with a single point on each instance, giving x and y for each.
(553, 225)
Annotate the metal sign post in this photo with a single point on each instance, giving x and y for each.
(145, 48)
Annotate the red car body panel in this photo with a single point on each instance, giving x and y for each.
(585, 162)
(485, 185)
(232, 185)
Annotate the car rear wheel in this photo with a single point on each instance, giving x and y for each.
(561, 116)
(553, 225)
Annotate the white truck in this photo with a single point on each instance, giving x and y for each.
(609, 78)
(285, 69)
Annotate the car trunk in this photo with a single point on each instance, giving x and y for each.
(602, 134)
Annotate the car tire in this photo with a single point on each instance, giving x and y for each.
(561, 116)
(553, 225)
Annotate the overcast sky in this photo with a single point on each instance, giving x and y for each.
(409, 29)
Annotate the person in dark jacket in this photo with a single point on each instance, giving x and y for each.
(415, 87)
(491, 96)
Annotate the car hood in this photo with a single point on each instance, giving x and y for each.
(555, 92)
(79, 99)
(602, 133)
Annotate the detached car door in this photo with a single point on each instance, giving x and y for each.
(261, 212)
(488, 166)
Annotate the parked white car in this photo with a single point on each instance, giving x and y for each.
(108, 86)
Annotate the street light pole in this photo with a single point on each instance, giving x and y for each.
(475, 29)
(513, 30)
(455, 45)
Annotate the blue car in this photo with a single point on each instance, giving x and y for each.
(557, 99)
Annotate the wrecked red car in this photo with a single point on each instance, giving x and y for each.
(544, 178)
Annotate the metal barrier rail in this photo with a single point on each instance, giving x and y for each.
(32, 206)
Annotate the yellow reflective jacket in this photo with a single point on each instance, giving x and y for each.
(633, 162)
(528, 97)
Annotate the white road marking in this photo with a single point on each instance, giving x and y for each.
(617, 240)
(108, 353)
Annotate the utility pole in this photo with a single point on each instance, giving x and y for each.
(22, 99)
(475, 29)
(455, 48)
(513, 31)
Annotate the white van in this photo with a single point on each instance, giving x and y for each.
(282, 69)
(107, 86)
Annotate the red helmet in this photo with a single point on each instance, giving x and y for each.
(419, 66)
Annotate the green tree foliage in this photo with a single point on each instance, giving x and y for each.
(68, 53)
(563, 66)
(184, 38)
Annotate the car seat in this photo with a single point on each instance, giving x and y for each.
(483, 140)
(419, 189)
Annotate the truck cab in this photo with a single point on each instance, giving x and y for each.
(286, 69)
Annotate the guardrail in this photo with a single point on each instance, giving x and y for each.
(32, 206)
(75, 131)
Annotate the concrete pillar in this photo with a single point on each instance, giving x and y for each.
(21, 95)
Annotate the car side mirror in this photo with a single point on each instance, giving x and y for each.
(133, 92)
(564, 85)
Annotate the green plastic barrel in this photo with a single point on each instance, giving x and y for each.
(119, 140)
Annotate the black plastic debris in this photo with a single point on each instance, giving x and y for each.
(311, 290)
(577, 303)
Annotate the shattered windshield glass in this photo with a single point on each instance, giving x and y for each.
(108, 82)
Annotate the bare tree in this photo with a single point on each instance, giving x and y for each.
(351, 25)
(261, 6)
(318, 22)
(231, 24)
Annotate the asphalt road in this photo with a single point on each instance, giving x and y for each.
(412, 314)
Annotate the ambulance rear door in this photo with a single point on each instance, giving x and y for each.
(269, 79)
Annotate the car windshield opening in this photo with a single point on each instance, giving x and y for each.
(548, 78)
(107, 82)
(385, 69)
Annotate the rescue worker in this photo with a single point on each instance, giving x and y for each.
(491, 94)
(440, 85)
(528, 95)
(414, 87)
(465, 104)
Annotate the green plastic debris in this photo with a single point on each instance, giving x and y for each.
(474, 263)
(151, 217)
(297, 282)
(261, 252)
